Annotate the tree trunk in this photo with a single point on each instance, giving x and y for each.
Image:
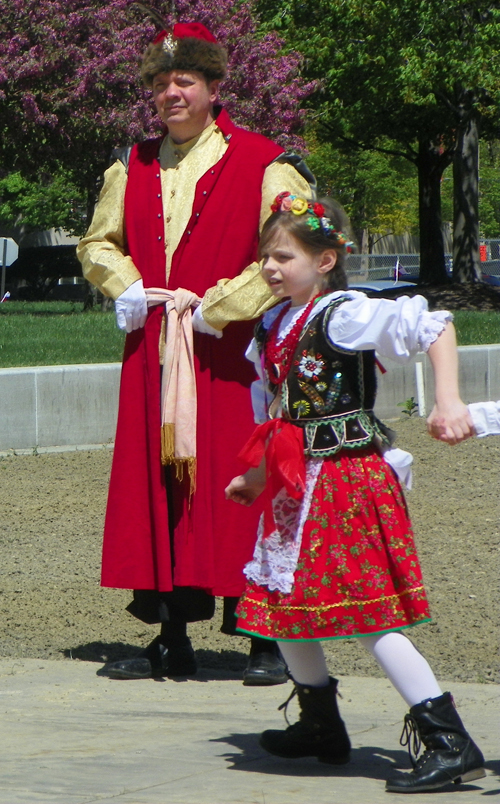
(466, 262)
(431, 163)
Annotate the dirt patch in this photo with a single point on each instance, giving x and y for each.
(51, 514)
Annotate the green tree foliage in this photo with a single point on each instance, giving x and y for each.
(43, 203)
(378, 192)
(70, 89)
(423, 75)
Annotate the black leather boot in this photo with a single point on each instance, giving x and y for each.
(266, 666)
(320, 732)
(155, 661)
(450, 754)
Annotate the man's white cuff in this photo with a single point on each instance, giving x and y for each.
(486, 418)
(200, 325)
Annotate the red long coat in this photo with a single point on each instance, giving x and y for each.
(213, 538)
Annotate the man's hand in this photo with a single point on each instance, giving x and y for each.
(451, 424)
(131, 307)
(245, 489)
(200, 325)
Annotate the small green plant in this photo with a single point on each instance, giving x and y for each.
(409, 406)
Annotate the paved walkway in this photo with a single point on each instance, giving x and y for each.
(69, 737)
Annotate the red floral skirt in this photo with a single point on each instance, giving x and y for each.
(358, 572)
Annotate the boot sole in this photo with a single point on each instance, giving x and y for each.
(343, 759)
(478, 773)
(470, 776)
(264, 681)
(118, 675)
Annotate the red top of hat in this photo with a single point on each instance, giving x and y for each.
(185, 30)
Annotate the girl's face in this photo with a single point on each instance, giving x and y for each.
(291, 271)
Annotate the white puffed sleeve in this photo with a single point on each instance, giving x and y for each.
(395, 328)
(486, 418)
(260, 400)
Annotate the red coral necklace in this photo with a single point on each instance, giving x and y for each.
(278, 356)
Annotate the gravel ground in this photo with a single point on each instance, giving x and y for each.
(51, 514)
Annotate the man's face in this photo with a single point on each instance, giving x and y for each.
(184, 102)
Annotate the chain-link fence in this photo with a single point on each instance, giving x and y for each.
(490, 261)
(368, 267)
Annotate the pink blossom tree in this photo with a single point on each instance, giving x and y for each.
(70, 89)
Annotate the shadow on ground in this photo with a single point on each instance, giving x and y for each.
(371, 762)
(231, 661)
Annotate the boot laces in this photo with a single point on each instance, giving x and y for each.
(410, 736)
(284, 705)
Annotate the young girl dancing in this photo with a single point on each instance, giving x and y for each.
(335, 556)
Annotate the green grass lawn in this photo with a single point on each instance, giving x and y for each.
(59, 333)
(475, 328)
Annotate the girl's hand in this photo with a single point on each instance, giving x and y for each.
(245, 489)
(451, 423)
(450, 420)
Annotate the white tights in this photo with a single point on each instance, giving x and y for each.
(403, 665)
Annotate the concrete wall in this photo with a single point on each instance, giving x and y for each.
(63, 406)
(58, 405)
(479, 379)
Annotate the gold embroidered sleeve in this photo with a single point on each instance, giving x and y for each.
(247, 296)
(102, 251)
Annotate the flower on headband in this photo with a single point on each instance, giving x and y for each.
(299, 206)
(286, 204)
(277, 203)
(313, 222)
(318, 210)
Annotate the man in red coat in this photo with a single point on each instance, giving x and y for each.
(183, 212)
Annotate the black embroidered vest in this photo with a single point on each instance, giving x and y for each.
(329, 392)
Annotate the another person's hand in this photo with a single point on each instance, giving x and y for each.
(451, 424)
(131, 307)
(245, 489)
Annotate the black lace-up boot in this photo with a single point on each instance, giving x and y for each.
(450, 754)
(320, 732)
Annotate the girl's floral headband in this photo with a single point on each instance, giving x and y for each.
(316, 219)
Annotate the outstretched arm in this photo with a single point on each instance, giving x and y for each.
(450, 420)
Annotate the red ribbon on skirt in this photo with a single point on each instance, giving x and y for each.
(282, 444)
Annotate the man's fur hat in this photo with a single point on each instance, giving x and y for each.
(190, 47)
